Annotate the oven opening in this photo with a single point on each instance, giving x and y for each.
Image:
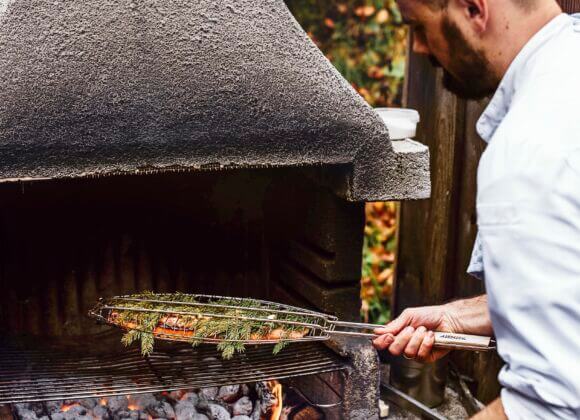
(261, 234)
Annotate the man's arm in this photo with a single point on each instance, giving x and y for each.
(411, 333)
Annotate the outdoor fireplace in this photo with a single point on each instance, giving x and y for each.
(203, 147)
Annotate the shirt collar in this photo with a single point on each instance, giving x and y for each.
(502, 99)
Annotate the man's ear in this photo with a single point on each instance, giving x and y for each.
(477, 13)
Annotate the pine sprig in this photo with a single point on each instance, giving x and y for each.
(130, 337)
(228, 324)
(147, 342)
(279, 347)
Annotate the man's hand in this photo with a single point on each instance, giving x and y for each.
(411, 333)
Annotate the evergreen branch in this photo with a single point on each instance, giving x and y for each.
(231, 326)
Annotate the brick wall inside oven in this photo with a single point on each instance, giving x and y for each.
(318, 264)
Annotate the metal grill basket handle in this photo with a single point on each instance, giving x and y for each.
(316, 326)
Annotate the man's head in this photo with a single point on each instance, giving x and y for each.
(474, 40)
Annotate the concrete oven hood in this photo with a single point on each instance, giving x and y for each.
(98, 87)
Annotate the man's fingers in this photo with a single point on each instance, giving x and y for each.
(415, 342)
(401, 341)
(395, 326)
(383, 342)
(426, 347)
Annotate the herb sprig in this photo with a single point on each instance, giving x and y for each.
(200, 322)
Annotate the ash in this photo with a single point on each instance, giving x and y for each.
(232, 402)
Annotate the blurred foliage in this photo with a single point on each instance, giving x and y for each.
(367, 43)
(379, 254)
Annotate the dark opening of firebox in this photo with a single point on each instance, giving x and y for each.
(277, 235)
(242, 233)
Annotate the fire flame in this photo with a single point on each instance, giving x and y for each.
(103, 401)
(133, 405)
(276, 389)
(65, 407)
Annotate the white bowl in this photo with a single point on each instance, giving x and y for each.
(401, 122)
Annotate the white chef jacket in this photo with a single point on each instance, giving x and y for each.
(528, 209)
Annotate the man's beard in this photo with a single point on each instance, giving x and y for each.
(473, 77)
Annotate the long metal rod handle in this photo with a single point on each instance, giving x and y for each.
(401, 399)
(442, 339)
(323, 406)
(359, 325)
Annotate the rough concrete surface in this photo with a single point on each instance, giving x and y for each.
(363, 386)
(104, 86)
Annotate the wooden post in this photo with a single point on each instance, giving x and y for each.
(437, 235)
(570, 6)
(428, 228)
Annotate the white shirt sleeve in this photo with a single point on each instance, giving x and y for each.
(530, 234)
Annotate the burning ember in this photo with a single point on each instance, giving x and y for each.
(276, 389)
(67, 407)
(261, 401)
(134, 404)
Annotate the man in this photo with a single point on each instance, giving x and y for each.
(528, 200)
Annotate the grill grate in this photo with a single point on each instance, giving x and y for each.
(30, 375)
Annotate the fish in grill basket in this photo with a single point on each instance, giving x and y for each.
(231, 323)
